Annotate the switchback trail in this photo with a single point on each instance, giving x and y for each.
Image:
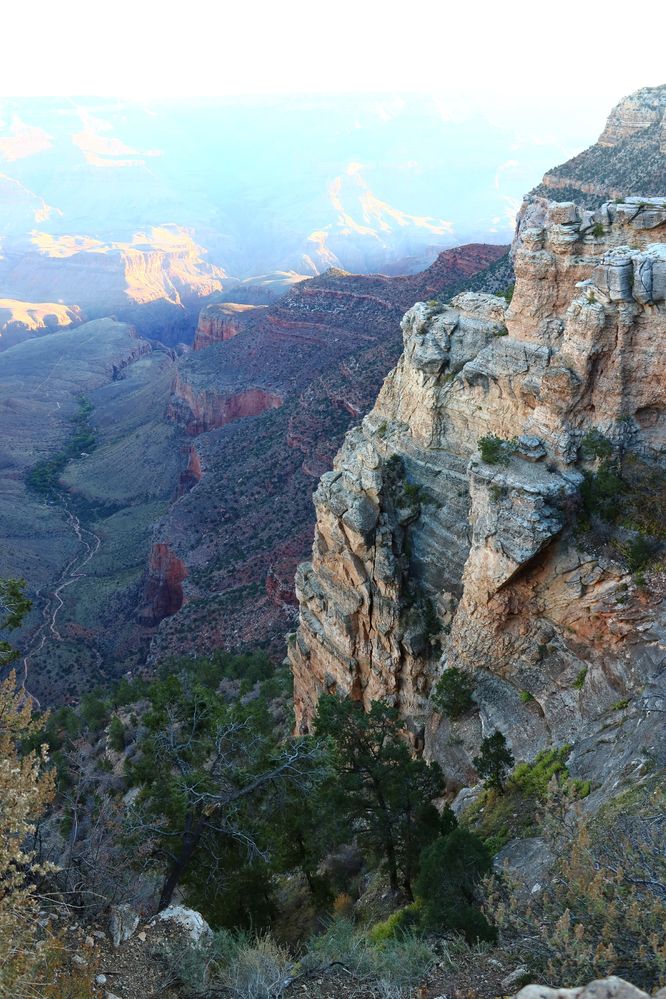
(89, 544)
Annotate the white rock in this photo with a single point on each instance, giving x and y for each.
(188, 919)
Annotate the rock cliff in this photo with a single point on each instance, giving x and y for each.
(627, 159)
(220, 321)
(451, 529)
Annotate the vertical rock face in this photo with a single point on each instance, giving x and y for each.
(163, 588)
(199, 409)
(634, 114)
(428, 556)
(192, 473)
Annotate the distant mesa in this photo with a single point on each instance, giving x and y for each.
(20, 319)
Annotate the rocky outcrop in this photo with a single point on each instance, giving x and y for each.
(627, 159)
(603, 988)
(220, 321)
(19, 320)
(192, 473)
(634, 114)
(163, 587)
(446, 532)
(200, 410)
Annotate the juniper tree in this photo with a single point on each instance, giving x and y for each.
(380, 790)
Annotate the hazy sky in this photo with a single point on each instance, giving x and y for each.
(501, 50)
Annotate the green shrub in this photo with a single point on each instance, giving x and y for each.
(533, 778)
(525, 696)
(116, 737)
(497, 818)
(452, 869)
(579, 682)
(394, 964)
(597, 230)
(494, 450)
(639, 553)
(594, 444)
(405, 920)
(453, 693)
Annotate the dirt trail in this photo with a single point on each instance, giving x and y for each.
(48, 629)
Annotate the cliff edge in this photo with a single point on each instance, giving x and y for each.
(490, 512)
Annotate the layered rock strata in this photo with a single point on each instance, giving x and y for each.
(220, 321)
(432, 551)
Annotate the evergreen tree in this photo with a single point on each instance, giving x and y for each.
(382, 793)
(447, 885)
(494, 761)
(206, 769)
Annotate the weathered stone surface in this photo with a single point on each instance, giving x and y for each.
(425, 556)
(627, 159)
(603, 988)
(123, 921)
(188, 920)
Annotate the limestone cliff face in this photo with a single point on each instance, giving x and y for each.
(426, 556)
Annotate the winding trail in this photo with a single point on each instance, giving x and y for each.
(48, 629)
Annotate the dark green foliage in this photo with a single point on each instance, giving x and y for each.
(624, 492)
(507, 293)
(601, 491)
(208, 772)
(448, 885)
(116, 734)
(94, 711)
(494, 450)
(379, 789)
(594, 444)
(234, 894)
(14, 605)
(44, 477)
(579, 682)
(597, 230)
(453, 693)
(498, 817)
(415, 493)
(250, 668)
(639, 553)
(494, 761)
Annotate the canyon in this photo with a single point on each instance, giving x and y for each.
(144, 210)
(196, 493)
(267, 408)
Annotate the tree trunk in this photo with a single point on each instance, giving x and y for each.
(191, 837)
